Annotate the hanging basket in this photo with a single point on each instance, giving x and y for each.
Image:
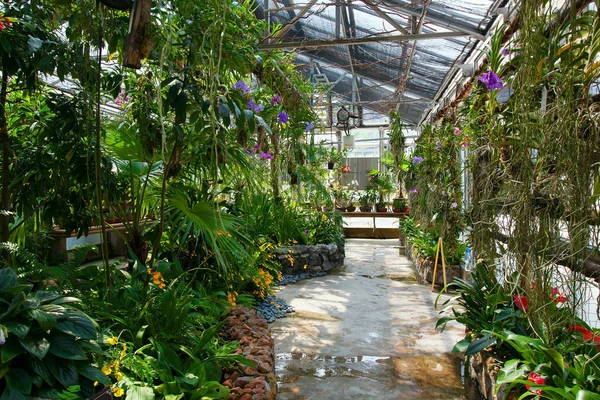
(330, 165)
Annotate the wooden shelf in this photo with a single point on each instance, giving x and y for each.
(374, 214)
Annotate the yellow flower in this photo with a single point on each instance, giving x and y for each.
(305, 266)
(106, 370)
(158, 279)
(231, 297)
(324, 217)
(118, 392)
(116, 366)
(113, 340)
(119, 376)
(95, 383)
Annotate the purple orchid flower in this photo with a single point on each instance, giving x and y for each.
(417, 160)
(242, 87)
(275, 100)
(265, 156)
(413, 191)
(283, 117)
(310, 126)
(491, 80)
(257, 108)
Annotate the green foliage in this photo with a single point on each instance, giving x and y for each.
(49, 343)
(167, 341)
(573, 375)
(435, 174)
(425, 242)
(482, 306)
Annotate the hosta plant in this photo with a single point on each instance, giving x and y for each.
(46, 344)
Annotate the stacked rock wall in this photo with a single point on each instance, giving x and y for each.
(252, 332)
(316, 258)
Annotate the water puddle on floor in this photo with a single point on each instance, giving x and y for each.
(300, 376)
(394, 277)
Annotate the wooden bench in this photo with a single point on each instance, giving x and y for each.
(114, 232)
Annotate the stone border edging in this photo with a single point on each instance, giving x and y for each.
(481, 373)
(255, 343)
(315, 258)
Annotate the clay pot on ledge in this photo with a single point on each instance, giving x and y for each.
(351, 208)
(366, 208)
(382, 209)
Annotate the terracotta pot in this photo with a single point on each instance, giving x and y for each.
(397, 210)
(366, 208)
(111, 220)
(382, 209)
(351, 208)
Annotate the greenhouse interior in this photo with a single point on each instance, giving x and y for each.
(300, 199)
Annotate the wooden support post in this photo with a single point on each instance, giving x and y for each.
(138, 43)
(440, 250)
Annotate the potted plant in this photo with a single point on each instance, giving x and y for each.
(342, 200)
(335, 157)
(366, 200)
(351, 200)
(381, 206)
(399, 204)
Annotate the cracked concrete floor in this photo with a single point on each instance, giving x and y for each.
(365, 332)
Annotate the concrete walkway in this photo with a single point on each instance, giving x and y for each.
(366, 332)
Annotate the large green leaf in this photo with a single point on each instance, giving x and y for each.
(8, 279)
(93, 374)
(36, 345)
(46, 296)
(45, 320)
(587, 395)
(139, 393)
(35, 44)
(39, 367)
(63, 370)
(21, 329)
(65, 347)
(57, 311)
(78, 324)
(16, 303)
(10, 350)
(11, 394)
(480, 344)
(19, 379)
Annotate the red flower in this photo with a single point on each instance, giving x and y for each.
(538, 380)
(557, 297)
(521, 302)
(587, 335)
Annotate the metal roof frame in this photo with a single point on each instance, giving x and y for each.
(410, 45)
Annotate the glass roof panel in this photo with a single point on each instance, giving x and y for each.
(371, 51)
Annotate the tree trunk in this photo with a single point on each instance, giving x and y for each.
(5, 140)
